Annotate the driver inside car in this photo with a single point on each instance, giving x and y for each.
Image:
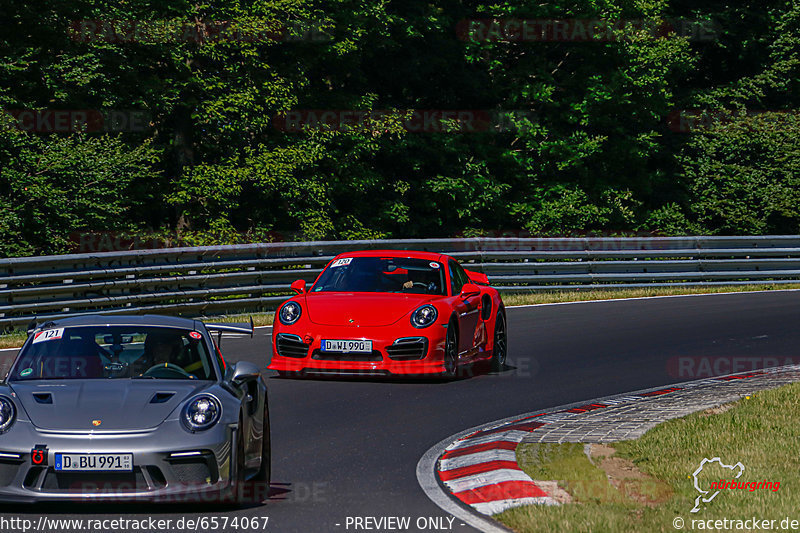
(160, 349)
(421, 283)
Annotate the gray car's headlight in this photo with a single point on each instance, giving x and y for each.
(201, 412)
(7, 413)
(424, 316)
(289, 313)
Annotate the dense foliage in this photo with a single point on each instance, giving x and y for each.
(574, 135)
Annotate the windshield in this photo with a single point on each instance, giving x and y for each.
(382, 274)
(114, 352)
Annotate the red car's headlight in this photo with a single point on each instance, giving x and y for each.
(289, 313)
(424, 316)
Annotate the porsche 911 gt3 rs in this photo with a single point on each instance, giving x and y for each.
(390, 312)
(132, 407)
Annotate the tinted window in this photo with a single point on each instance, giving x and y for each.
(111, 352)
(382, 274)
(458, 277)
(455, 280)
(462, 274)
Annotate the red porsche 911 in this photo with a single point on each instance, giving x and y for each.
(390, 312)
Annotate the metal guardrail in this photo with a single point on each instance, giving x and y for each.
(242, 278)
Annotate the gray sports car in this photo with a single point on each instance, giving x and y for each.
(129, 408)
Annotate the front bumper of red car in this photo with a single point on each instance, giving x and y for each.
(395, 350)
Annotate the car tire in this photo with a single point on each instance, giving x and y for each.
(451, 352)
(500, 345)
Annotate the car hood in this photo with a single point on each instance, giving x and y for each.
(119, 404)
(361, 309)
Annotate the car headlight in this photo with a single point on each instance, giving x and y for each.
(289, 313)
(7, 413)
(201, 412)
(424, 316)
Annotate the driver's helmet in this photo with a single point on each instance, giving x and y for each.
(162, 347)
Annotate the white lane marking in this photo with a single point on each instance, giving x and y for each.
(487, 478)
(498, 506)
(623, 399)
(510, 436)
(477, 458)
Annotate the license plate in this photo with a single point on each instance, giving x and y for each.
(93, 462)
(347, 346)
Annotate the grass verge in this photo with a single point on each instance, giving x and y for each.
(12, 340)
(259, 319)
(760, 432)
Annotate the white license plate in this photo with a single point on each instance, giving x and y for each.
(347, 346)
(93, 462)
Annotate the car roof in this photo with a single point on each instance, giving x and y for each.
(111, 320)
(408, 254)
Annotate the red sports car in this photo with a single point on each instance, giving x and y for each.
(390, 312)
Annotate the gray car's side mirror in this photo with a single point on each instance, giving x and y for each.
(242, 372)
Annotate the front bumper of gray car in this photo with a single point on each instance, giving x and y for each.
(194, 467)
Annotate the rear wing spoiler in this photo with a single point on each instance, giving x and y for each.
(243, 328)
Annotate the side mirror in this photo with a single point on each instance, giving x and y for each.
(469, 290)
(242, 372)
(299, 286)
(477, 277)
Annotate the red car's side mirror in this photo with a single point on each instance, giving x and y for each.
(477, 277)
(299, 286)
(469, 290)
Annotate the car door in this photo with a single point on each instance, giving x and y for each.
(252, 446)
(468, 310)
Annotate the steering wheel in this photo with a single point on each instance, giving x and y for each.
(416, 284)
(166, 368)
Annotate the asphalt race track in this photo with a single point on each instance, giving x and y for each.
(349, 448)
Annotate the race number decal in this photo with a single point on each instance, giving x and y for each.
(341, 262)
(48, 335)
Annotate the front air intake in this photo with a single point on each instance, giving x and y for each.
(289, 345)
(408, 349)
